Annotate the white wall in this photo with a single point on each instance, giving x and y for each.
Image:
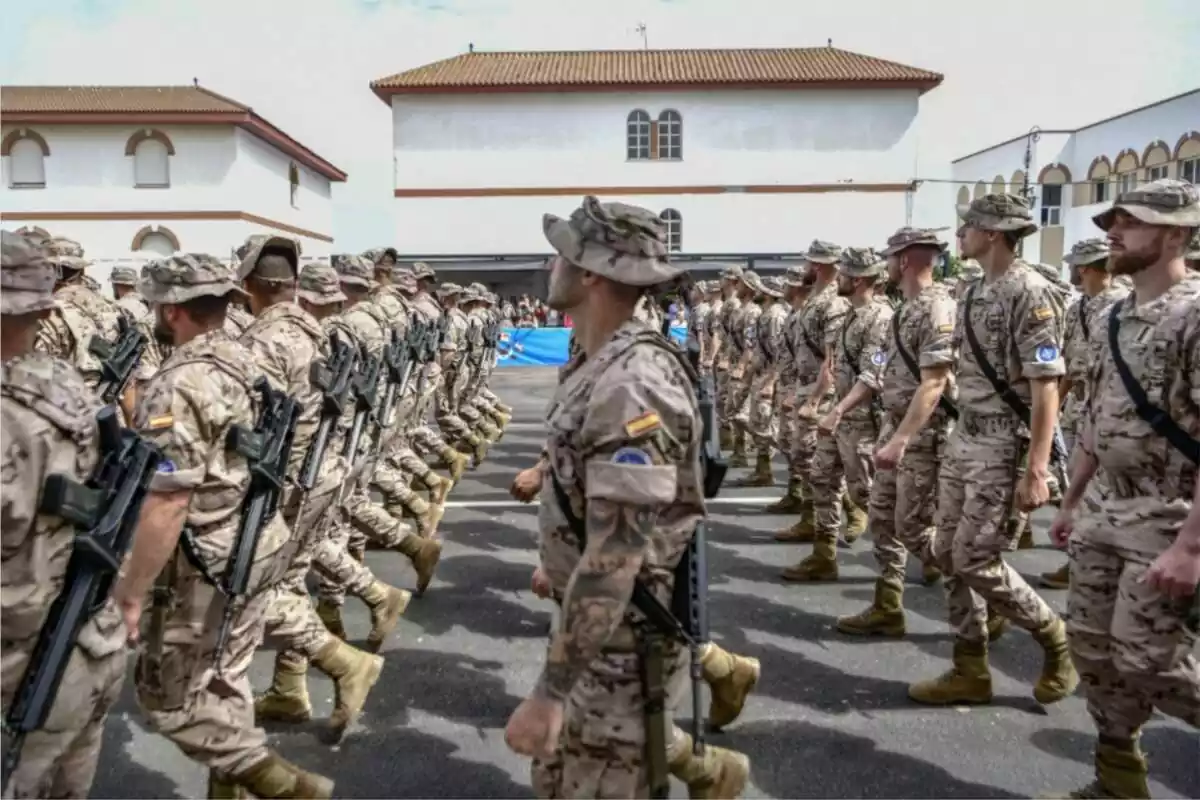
(261, 173)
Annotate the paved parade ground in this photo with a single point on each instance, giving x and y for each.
(830, 717)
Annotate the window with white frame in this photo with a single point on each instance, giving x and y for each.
(1052, 205)
(157, 243)
(26, 165)
(674, 229)
(1189, 169)
(670, 135)
(637, 136)
(1100, 190)
(1127, 182)
(151, 165)
(1157, 172)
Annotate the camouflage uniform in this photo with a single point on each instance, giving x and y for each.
(48, 422)
(859, 356)
(726, 350)
(1129, 639)
(633, 412)
(132, 303)
(784, 407)
(204, 388)
(764, 341)
(1016, 319)
(903, 500)
(737, 387)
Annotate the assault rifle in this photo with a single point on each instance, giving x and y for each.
(366, 389)
(333, 379)
(105, 511)
(118, 359)
(267, 447)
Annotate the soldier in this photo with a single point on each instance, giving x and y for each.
(475, 396)
(725, 350)
(457, 421)
(204, 388)
(1135, 557)
(699, 320)
(795, 293)
(490, 300)
(48, 417)
(764, 340)
(847, 433)
(969, 273)
(633, 413)
(996, 465)
(124, 280)
(737, 388)
(916, 375)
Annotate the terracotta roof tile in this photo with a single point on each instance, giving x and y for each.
(115, 99)
(547, 70)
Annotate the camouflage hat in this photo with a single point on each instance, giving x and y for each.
(731, 273)
(999, 212)
(354, 270)
(64, 253)
(911, 237)
(252, 250)
(449, 290)
(375, 255)
(423, 272)
(1052, 274)
(1161, 202)
(1089, 251)
(186, 276)
(123, 276)
(36, 235)
(478, 288)
(623, 243)
(970, 270)
(320, 285)
(404, 278)
(861, 262)
(469, 295)
(820, 252)
(794, 277)
(750, 279)
(771, 287)
(27, 277)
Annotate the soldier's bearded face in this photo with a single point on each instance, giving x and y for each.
(845, 286)
(1135, 245)
(162, 332)
(566, 285)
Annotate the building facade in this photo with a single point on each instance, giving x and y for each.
(740, 151)
(1073, 174)
(155, 170)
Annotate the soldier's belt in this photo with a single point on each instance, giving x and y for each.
(982, 424)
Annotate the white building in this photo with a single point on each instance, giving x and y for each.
(157, 169)
(742, 151)
(1076, 173)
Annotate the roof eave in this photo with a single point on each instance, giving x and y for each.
(246, 120)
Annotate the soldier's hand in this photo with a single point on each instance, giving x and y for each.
(1176, 571)
(890, 455)
(539, 583)
(1033, 491)
(1061, 528)
(534, 728)
(131, 613)
(807, 411)
(527, 484)
(830, 421)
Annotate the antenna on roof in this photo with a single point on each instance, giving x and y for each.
(641, 28)
(196, 82)
(470, 47)
(829, 43)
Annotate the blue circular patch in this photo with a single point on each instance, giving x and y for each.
(1046, 353)
(631, 455)
(879, 359)
(166, 465)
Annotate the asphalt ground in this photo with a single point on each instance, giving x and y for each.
(830, 716)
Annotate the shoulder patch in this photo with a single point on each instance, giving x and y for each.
(166, 466)
(158, 423)
(1046, 354)
(945, 328)
(879, 359)
(643, 424)
(632, 455)
(1042, 313)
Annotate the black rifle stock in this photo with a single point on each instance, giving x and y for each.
(366, 391)
(118, 359)
(105, 511)
(333, 379)
(267, 448)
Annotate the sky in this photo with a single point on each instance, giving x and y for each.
(306, 64)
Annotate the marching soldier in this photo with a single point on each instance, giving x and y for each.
(1135, 558)
(48, 419)
(764, 341)
(795, 293)
(997, 465)
(725, 350)
(742, 320)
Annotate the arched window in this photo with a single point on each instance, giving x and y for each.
(1052, 180)
(1126, 169)
(1187, 153)
(1155, 159)
(980, 190)
(637, 136)
(26, 152)
(1099, 180)
(674, 229)
(294, 181)
(151, 165)
(155, 239)
(670, 135)
(999, 187)
(964, 196)
(1017, 183)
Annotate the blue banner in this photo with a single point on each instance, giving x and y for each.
(544, 347)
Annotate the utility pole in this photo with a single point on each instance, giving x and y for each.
(641, 28)
(1035, 133)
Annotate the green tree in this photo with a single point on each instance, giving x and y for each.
(951, 267)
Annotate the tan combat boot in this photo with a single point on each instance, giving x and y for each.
(1026, 542)
(1059, 579)
(454, 461)
(884, 617)
(479, 448)
(1058, 678)
(427, 516)
(762, 472)
(354, 673)
(387, 604)
(804, 530)
(504, 409)
(1121, 771)
(221, 788)
(331, 615)
(856, 520)
(438, 487)
(502, 418)
(821, 565)
(969, 681)
(718, 773)
(738, 459)
(486, 430)
(424, 555)
(930, 574)
(730, 678)
(278, 778)
(287, 699)
(791, 502)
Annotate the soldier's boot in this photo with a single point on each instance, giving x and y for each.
(479, 449)
(1026, 542)
(730, 678)
(762, 472)
(427, 516)
(387, 604)
(504, 409)
(424, 555)
(820, 565)
(1121, 771)
(221, 788)
(1058, 678)
(287, 699)
(274, 776)
(1059, 579)
(354, 673)
(791, 501)
(856, 520)
(969, 681)
(719, 774)
(804, 530)
(455, 461)
(997, 625)
(738, 459)
(487, 431)
(331, 615)
(438, 487)
(502, 419)
(884, 617)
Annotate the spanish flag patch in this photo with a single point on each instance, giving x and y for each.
(158, 423)
(1042, 313)
(643, 424)
(945, 328)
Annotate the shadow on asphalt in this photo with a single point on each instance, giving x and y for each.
(1170, 751)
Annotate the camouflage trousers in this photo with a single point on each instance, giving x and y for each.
(723, 392)
(903, 502)
(338, 572)
(1128, 640)
(736, 392)
(447, 408)
(757, 414)
(602, 750)
(803, 445)
(59, 759)
(977, 525)
(847, 453)
(394, 471)
(208, 713)
(1071, 420)
(785, 421)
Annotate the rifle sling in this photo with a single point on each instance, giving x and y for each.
(1154, 416)
(944, 403)
(1002, 387)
